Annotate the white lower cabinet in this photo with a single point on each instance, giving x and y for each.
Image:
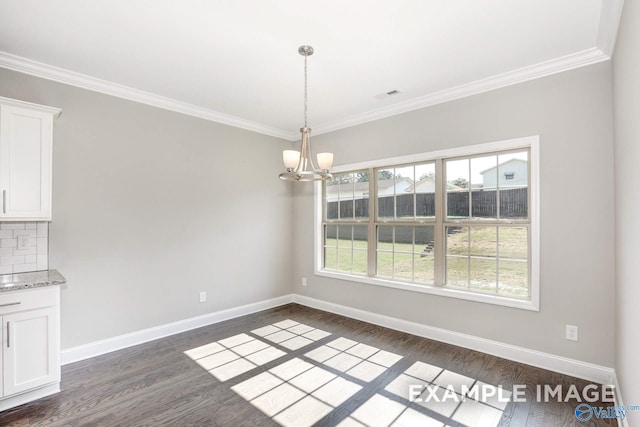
(30, 356)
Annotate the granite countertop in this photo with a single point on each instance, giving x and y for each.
(34, 279)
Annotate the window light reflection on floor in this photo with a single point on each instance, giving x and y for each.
(429, 380)
(233, 356)
(302, 390)
(356, 359)
(296, 393)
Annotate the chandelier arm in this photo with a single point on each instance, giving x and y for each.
(306, 137)
(305, 176)
(302, 163)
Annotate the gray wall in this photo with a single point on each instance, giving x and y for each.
(150, 207)
(149, 210)
(626, 66)
(572, 113)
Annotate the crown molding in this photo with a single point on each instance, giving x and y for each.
(61, 75)
(610, 14)
(558, 65)
(542, 69)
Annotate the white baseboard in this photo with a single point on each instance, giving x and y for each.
(97, 348)
(563, 365)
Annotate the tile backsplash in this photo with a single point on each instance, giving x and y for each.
(24, 246)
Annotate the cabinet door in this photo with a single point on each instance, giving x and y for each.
(25, 163)
(30, 350)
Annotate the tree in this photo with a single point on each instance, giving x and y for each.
(340, 179)
(362, 176)
(430, 175)
(385, 174)
(460, 182)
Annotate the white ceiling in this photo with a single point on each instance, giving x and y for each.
(236, 61)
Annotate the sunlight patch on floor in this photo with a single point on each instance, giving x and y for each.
(296, 393)
(414, 385)
(356, 359)
(303, 390)
(233, 356)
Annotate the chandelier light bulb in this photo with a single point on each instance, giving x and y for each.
(291, 158)
(325, 160)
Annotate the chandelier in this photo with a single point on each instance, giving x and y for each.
(299, 164)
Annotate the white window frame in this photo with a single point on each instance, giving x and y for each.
(532, 143)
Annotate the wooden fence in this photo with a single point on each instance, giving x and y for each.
(513, 204)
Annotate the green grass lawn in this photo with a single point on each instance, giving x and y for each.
(467, 251)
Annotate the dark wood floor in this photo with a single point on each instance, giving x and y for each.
(156, 384)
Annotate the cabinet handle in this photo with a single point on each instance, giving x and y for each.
(10, 304)
(8, 335)
(4, 201)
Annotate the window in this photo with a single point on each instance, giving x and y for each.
(459, 223)
(346, 209)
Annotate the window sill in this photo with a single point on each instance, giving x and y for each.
(434, 290)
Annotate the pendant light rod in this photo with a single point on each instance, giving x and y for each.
(305, 51)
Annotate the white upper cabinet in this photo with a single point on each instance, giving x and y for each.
(26, 142)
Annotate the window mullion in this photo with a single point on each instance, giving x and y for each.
(470, 193)
(439, 249)
(415, 181)
(469, 229)
(529, 255)
(338, 245)
(353, 231)
(413, 249)
(469, 257)
(393, 251)
(497, 259)
(353, 196)
(339, 200)
(395, 196)
(372, 245)
(498, 213)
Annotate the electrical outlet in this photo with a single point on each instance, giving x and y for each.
(24, 242)
(571, 332)
(203, 296)
(304, 281)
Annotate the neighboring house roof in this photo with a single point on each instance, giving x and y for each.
(502, 164)
(431, 180)
(422, 181)
(359, 186)
(364, 186)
